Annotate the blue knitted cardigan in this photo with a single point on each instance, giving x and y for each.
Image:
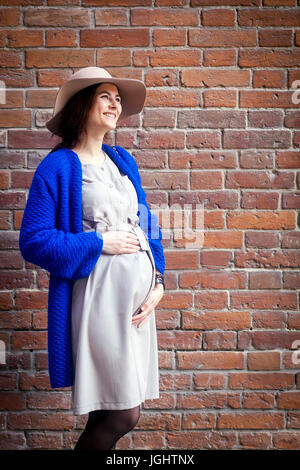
(51, 237)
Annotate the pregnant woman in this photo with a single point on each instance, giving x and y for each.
(87, 222)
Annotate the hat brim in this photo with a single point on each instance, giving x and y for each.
(132, 92)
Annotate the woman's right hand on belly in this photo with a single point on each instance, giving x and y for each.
(117, 242)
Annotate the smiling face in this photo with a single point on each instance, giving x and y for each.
(106, 108)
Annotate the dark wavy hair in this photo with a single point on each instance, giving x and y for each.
(74, 117)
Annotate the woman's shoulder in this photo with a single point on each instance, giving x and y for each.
(62, 160)
(126, 156)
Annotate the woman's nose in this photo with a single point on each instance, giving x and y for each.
(114, 102)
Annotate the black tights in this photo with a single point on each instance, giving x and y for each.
(105, 427)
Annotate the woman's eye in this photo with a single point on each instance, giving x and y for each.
(106, 96)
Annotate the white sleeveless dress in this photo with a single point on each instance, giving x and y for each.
(115, 362)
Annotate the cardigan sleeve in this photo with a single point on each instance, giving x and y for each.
(150, 225)
(64, 254)
(155, 237)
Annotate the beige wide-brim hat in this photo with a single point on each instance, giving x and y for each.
(132, 92)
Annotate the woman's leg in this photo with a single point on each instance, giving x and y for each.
(105, 427)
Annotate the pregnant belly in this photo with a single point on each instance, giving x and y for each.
(129, 276)
(136, 271)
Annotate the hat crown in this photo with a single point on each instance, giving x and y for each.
(132, 91)
(91, 72)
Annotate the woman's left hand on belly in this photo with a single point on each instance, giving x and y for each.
(153, 299)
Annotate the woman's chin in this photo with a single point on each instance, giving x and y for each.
(109, 126)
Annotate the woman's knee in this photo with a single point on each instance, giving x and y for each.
(117, 422)
(133, 417)
(127, 420)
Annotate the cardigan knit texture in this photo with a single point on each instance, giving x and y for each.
(52, 238)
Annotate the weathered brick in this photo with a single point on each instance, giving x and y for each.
(292, 119)
(291, 200)
(36, 440)
(169, 37)
(72, 17)
(219, 57)
(264, 280)
(10, 59)
(212, 78)
(256, 159)
(12, 441)
(201, 440)
(259, 179)
(43, 58)
(216, 320)
(210, 360)
(288, 159)
(163, 421)
(259, 200)
(61, 38)
(263, 360)
(252, 420)
(39, 420)
(263, 99)
(268, 78)
(211, 300)
(180, 339)
(291, 280)
(12, 401)
(261, 17)
(111, 16)
(206, 180)
(198, 420)
(291, 240)
(163, 16)
(281, 38)
(259, 300)
(202, 159)
(222, 37)
(15, 118)
(210, 380)
(218, 17)
(135, 37)
(175, 381)
(217, 98)
(259, 400)
(25, 38)
(288, 400)
(286, 440)
(273, 339)
(175, 58)
(10, 16)
(255, 440)
(211, 119)
(203, 139)
(267, 259)
(215, 259)
(261, 380)
(265, 57)
(267, 220)
(48, 400)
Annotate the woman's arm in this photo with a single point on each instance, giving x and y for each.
(153, 231)
(64, 254)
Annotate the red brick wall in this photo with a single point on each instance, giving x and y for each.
(219, 128)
